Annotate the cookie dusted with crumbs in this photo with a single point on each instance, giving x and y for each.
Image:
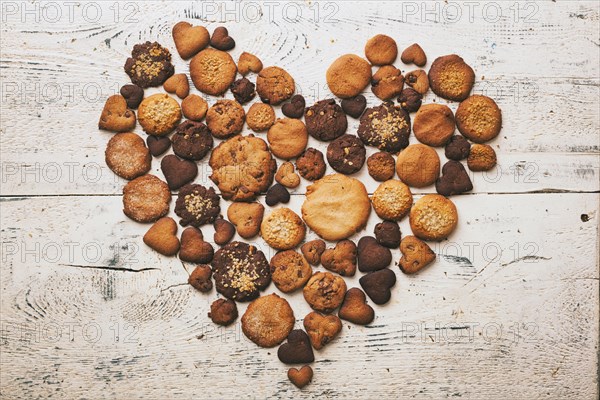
(146, 198)
(268, 320)
(386, 127)
(159, 114)
(197, 205)
(283, 229)
(433, 217)
(149, 65)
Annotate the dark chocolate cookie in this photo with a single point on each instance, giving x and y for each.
(325, 120)
(311, 165)
(243, 90)
(386, 127)
(133, 95)
(346, 154)
(149, 65)
(192, 140)
(388, 234)
(458, 148)
(354, 106)
(197, 205)
(240, 271)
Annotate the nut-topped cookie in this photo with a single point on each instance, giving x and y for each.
(479, 119)
(386, 127)
(451, 78)
(197, 205)
(212, 71)
(159, 114)
(433, 217)
(282, 229)
(149, 65)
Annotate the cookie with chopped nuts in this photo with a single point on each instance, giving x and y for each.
(289, 270)
(325, 291)
(392, 200)
(325, 120)
(260, 117)
(268, 320)
(159, 114)
(479, 119)
(433, 217)
(240, 271)
(283, 229)
(451, 78)
(192, 140)
(386, 127)
(212, 71)
(275, 85)
(196, 205)
(149, 65)
(346, 154)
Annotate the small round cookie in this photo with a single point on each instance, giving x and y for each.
(336, 207)
(433, 217)
(242, 167)
(451, 78)
(311, 164)
(289, 270)
(381, 50)
(481, 158)
(149, 65)
(386, 127)
(225, 119)
(243, 90)
(348, 76)
(274, 85)
(194, 107)
(418, 165)
(223, 312)
(287, 138)
(192, 140)
(197, 205)
(434, 125)
(346, 154)
(458, 148)
(325, 291)
(146, 199)
(325, 120)
(159, 114)
(392, 200)
(282, 229)
(381, 166)
(479, 119)
(127, 155)
(260, 117)
(387, 82)
(212, 71)
(240, 271)
(268, 320)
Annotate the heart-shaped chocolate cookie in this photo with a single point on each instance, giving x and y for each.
(162, 237)
(133, 95)
(387, 233)
(321, 329)
(297, 350)
(355, 308)
(371, 255)
(416, 255)
(178, 172)
(377, 285)
(194, 248)
(301, 377)
(354, 106)
(158, 144)
(221, 40)
(295, 108)
(116, 117)
(454, 179)
(178, 84)
(189, 39)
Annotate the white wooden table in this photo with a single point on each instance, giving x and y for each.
(510, 309)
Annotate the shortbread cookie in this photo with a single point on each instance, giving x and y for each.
(197, 205)
(189, 40)
(268, 320)
(479, 119)
(246, 217)
(274, 85)
(336, 207)
(225, 119)
(414, 54)
(249, 63)
(434, 125)
(386, 127)
(159, 114)
(212, 71)
(381, 50)
(127, 155)
(325, 291)
(146, 199)
(115, 116)
(348, 76)
(192, 140)
(289, 270)
(194, 107)
(481, 158)
(283, 229)
(346, 154)
(149, 65)
(260, 117)
(433, 217)
(418, 165)
(325, 120)
(392, 200)
(287, 138)
(451, 78)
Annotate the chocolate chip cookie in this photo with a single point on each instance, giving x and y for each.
(289, 270)
(325, 291)
(311, 164)
(196, 205)
(275, 85)
(346, 154)
(325, 120)
(386, 127)
(225, 119)
(149, 65)
(192, 140)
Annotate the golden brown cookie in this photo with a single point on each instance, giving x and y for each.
(242, 167)
(225, 118)
(146, 199)
(336, 207)
(324, 291)
(433, 217)
(274, 85)
(481, 158)
(392, 200)
(286, 176)
(159, 114)
(116, 117)
(246, 217)
(289, 270)
(312, 251)
(260, 117)
(381, 166)
(283, 229)
(287, 138)
(268, 320)
(434, 125)
(249, 63)
(418, 165)
(451, 78)
(418, 81)
(341, 259)
(189, 40)
(321, 329)
(416, 255)
(414, 54)
(212, 71)
(387, 82)
(348, 76)
(194, 107)
(162, 237)
(381, 50)
(178, 84)
(479, 119)
(127, 155)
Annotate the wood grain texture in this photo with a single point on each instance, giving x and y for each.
(510, 309)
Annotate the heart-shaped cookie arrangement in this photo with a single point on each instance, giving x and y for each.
(336, 206)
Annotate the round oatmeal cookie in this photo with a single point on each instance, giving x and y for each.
(311, 164)
(479, 119)
(434, 125)
(325, 120)
(159, 114)
(146, 199)
(325, 291)
(481, 158)
(212, 71)
(392, 200)
(242, 167)
(386, 127)
(336, 207)
(240, 271)
(289, 270)
(268, 320)
(149, 65)
(260, 117)
(283, 229)
(348, 76)
(381, 50)
(451, 78)
(197, 205)
(346, 154)
(274, 85)
(127, 155)
(225, 119)
(381, 166)
(433, 217)
(287, 138)
(418, 165)
(192, 140)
